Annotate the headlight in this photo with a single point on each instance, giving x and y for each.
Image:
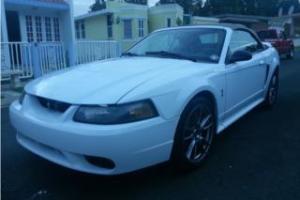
(116, 114)
(21, 98)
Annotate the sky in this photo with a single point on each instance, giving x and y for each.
(82, 6)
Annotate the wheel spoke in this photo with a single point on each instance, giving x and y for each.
(206, 123)
(191, 136)
(190, 149)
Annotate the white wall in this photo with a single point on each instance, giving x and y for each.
(68, 33)
(297, 42)
(4, 36)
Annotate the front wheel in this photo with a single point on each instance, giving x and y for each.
(272, 94)
(195, 133)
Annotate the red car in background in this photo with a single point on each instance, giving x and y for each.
(279, 40)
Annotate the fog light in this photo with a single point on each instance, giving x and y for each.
(100, 162)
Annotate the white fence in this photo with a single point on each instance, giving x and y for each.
(16, 58)
(89, 51)
(36, 59)
(51, 56)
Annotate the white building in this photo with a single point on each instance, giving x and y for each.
(36, 35)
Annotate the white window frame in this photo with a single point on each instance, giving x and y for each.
(124, 31)
(49, 33)
(167, 22)
(29, 28)
(141, 29)
(24, 27)
(80, 30)
(110, 27)
(56, 28)
(39, 28)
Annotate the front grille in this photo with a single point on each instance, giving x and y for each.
(53, 105)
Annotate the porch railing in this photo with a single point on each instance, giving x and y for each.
(51, 56)
(28, 60)
(89, 51)
(16, 58)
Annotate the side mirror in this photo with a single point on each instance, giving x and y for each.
(239, 56)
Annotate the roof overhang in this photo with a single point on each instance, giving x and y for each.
(94, 14)
(232, 19)
(243, 18)
(35, 4)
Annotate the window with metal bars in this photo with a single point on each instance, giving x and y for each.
(48, 29)
(56, 29)
(38, 28)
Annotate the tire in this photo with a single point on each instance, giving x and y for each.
(291, 54)
(272, 95)
(195, 134)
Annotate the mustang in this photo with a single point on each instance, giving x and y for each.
(164, 99)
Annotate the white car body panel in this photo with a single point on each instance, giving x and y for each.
(170, 83)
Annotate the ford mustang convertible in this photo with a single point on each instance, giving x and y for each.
(165, 99)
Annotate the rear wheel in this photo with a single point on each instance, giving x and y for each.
(195, 134)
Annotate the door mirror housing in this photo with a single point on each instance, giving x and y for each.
(239, 56)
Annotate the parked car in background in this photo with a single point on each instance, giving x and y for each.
(164, 99)
(280, 41)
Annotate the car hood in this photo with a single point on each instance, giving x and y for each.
(103, 82)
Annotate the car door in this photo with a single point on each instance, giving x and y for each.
(245, 80)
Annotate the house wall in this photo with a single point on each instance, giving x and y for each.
(122, 11)
(5, 57)
(96, 28)
(259, 26)
(4, 36)
(204, 20)
(159, 14)
(297, 26)
(64, 13)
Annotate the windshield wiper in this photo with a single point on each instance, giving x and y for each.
(130, 54)
(170, 55)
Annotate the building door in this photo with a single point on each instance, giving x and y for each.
(14, 35)
(13, 26)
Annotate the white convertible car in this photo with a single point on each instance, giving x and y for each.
(164, 99)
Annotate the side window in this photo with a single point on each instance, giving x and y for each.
(242, 40)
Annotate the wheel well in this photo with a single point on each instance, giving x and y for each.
(211, 98)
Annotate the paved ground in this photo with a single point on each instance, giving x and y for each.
(256, 158)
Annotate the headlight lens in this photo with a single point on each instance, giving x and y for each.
(21, 98)
(116, 114)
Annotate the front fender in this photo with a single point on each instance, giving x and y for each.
(171, 98)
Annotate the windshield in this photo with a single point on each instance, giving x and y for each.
(196, 44)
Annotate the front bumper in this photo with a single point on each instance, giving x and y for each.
(56, 137)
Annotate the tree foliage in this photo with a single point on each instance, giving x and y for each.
(98, 5)
(217, 7)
